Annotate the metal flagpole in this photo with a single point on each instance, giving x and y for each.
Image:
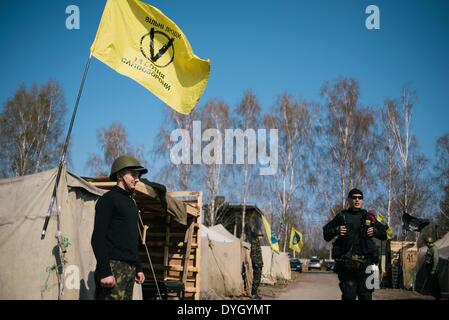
(64, 152)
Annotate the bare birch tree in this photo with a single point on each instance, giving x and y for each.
(292, 119)
(442, 181)
(113, 141)
(389, 113)
(176, 176)
(215, 118)
(400, 123)
(348, 136)
(411, 182)
(31, 129)
(249, 112)
(442, 163)
(341, 103)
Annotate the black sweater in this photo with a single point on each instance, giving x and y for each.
(115, 234)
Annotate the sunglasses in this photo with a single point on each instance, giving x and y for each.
(357, 197)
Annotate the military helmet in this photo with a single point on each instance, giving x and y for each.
(429, 240)
(126, 162)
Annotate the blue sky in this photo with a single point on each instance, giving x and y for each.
(271, 47)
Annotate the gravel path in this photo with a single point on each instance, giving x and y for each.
(313, 285)
(320, 285)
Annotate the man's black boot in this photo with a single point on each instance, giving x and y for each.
(255, 296)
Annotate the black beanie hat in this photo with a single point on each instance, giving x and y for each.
(355, 191)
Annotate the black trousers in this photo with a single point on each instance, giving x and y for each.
(353, 281)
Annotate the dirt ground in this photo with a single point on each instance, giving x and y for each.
(320, 285)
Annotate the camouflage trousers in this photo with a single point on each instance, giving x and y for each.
(257, 274)
(124, 274)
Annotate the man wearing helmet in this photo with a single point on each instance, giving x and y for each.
(115, 237)
(431, 263)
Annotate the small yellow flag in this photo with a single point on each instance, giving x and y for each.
(274, 242)
(140, 42)
(382, 220)
(296, 242)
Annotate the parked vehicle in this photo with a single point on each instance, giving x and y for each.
(330, 265)
(295, 265)
(314, 263)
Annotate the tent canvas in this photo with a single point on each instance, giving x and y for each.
(268, 276)
(221, 230)
(27, 263)
(223, 257)
(245, 257)
(281, 264)
(276, 266)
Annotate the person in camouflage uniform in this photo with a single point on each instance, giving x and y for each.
(431, 263)
(124, 277)
(257, 262)
(115, 238)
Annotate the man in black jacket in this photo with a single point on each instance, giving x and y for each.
(115, 238)
(354, 250)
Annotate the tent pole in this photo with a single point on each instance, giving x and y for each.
(64, 150)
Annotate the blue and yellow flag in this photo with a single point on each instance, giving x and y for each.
(382, 220)
(296, 242)
(140, 42)
(271, 235)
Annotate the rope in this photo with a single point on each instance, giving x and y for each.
(148, 255)
(61, 267)
(49, 270)
(66, 242)
(62, 250)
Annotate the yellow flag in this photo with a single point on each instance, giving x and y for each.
(296, 242)
(140, 42)
(270, 234)
(382, 220)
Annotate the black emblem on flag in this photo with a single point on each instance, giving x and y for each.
(411, 223)
(158, 47)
